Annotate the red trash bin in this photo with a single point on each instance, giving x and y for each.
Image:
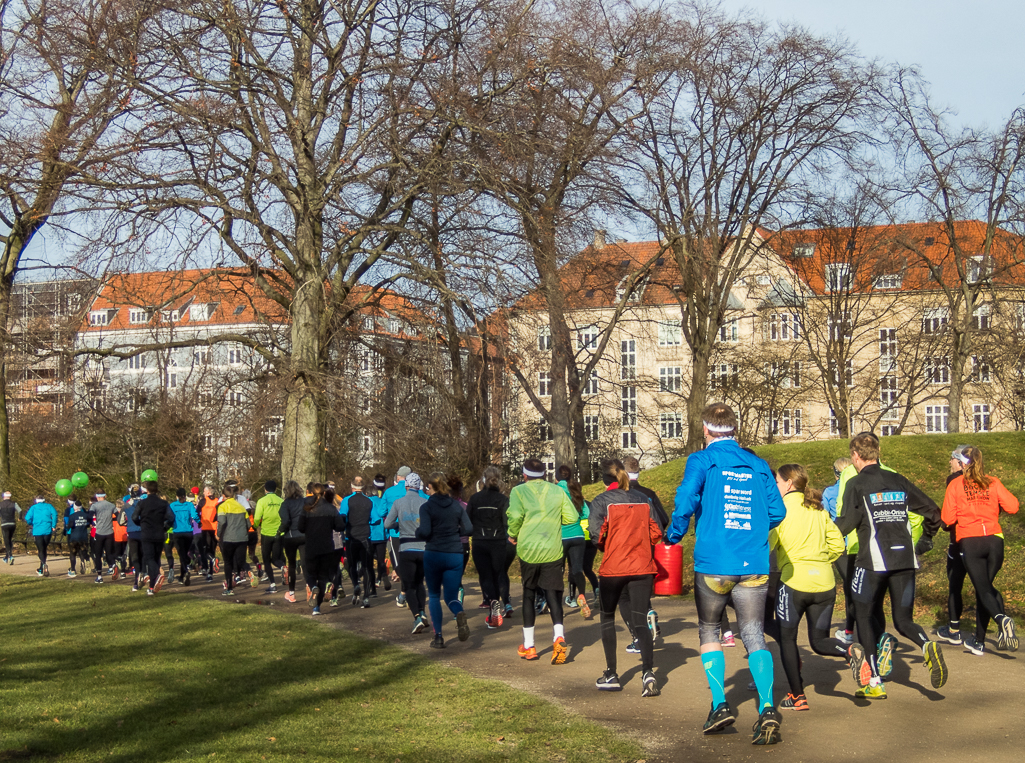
(669, 561)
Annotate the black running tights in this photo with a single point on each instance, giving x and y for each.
(817, 610)
(638, 588)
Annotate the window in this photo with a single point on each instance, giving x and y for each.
(763, 280)
(977, 269)
(723, 375)
(137, 362)
(980, 417)
(936, 418)
(137, 400)
(239, 310)
(980, 369)
(1019, 316)
(393, 326)
(235, 399)
(205, 398)
(368, 323)
(784, 327)
(669, 334)
(786, 423)
(937, 370)
(629, 406)
(201, 312)
(804, 250)
(934, 320)
(587, 338)
(834, 424)
(591, 384)
(889, 430)
(785, 373)
(887, 350)
(544, 384)
(889, 397)
(670, 379)
(838, 276)
(99, 317)
(171, 316)
(544, 338)
(235, 357)
(889, 281)
(544, 431)
(138, 315)
(848, 373)
(172, 379)
(590, 428)
(628, 359)
(670, 426)
(840, 326)
(981, 318)
(629, 440)
(201, 358)
(730, 331)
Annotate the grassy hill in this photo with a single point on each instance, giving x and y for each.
(923, 459)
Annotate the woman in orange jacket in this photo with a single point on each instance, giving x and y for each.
(973, 503)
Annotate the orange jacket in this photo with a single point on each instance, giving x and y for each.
(974, 511)
(208, 514)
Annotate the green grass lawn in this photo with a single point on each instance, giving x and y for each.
(90, 673)
(923, 459)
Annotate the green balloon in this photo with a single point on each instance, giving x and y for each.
(79, 479)
(63, 487)
(149, 475)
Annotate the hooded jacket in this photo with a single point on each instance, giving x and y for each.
(184, 512)
(404, 518)
(442, 521)
(154, 517)
(319, 525)
(42, 517)
(289, 512)
(232, 522)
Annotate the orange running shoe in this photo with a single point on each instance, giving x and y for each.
(527, 652)
(559, 651)
(584, 609)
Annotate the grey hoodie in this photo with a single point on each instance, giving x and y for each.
(104, 511)
(405, 515)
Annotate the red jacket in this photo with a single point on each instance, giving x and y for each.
(976, 512)
(627, 533)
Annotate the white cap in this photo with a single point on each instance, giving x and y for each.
(7, 494)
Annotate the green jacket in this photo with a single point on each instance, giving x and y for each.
(537, 512)
(267, 520)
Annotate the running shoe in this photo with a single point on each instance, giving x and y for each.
(71, 573)
(527, 652)
(872, 691)
(634, 647)
(509, 611)
(81, 568)
(254, 580)
(209, 578)
(135, 588)
(944, 632)
(653, 625)
(485, 604)
(766, 728)
(973, 645)
(844, 637)
(884, 655)
(316, 611)
(437, 642)
(115, 573)
(559, 651)
(542, 606)
(649, 686)
(719, 718)
(488, 622)
(159, 584)
(99, 579)
(284, 574)
(264, 577)
(935, 664)
(290, 597)
(228, 592)
(309, 594)
(570, 602)
(461, 627)
(1007, 638)
(272, 588)
(39, 572)
(217, 565)
(400, 600)
(609, 681)
(366, 602)
(860, 667)
(460, 594)
(170, 576)
(311, 597)
(495, 620)
(187, 580)
(46, 571)
(794, 702)
(333, 602)
(419, 625)
(728, 639)
(151, 592)
(355, 597)
(585, 610)
(387, 584)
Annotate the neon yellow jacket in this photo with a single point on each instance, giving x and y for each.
(852, 539)
(806, 543)
(537, 512)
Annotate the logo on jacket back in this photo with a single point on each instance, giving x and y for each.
(890, 506)
(737, 499)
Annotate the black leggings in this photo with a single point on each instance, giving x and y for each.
(638, 588)
(291, 548)
(379, 551)
(360, 565)
(183, 544)
(955, 582)
(411, 573)
(270, 550)
(78, 551)
(489, 559)
(845, 566)
(8, 533)
(208, 550)
(252, 540)
(169, 550)
(573, 552)
(554, 599)
(983, 557)
(42, 544)
(868, 589)
(135, 557)
(817, 610)
(103, 551)
(590, 552)
(151, 559)
(234, 557)
(320, 570)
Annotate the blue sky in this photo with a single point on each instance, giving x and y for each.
(971, 53)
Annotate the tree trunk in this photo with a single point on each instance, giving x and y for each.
(6, 291)
(700, 352)
(302, 453)
(958, 357)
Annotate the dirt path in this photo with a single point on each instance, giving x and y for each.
(978, 716)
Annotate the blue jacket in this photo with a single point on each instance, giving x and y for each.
(377, 515)
(184, 513)
(733, 497)
(829, 496)
(390, 496)
(134, 531)
(42, 517)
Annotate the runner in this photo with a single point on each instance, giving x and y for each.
(319, 522)
(537, 511)
(120, 540)
(292, 539)
(131, 500)
(357, 510)
(378, 541)
(731, 494)
(487, 510)
(973, 503)
(876, 503)
(43, 519)
(392, 494)
(154, 517)
(956, 572)
(233, 535)
(633, 469)
(573, 542)
(103, 542)
(455, 490)
(181, 533)
(806, 543)
(77, 527)
(831, 494)
(207, 509)
(268, 521)
(443, 521)
(404, 518)
(623, 525)
(9, 513)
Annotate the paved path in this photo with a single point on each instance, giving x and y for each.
(978, 716)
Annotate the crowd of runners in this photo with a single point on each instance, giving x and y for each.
(766, 545)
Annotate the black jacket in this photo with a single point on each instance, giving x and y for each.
(290, 511)
(660, 513)
(154, 517)
(488, 513)
(443, 521)
(357, 516)
(8, 514)
(876, 503)
(318, 525)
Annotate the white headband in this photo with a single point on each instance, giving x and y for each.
(633, 476)
(717, 428)
(533, 475)
(962, 458)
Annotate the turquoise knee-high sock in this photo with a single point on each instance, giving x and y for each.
(715, 671)
(760, 663)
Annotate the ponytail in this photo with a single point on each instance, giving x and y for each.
(974, 471)
(799, 476)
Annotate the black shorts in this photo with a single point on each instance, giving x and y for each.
(547, 575)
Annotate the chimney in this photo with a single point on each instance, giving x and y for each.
(599, 239)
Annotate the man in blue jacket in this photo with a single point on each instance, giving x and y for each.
(732, 495)
(43, 518)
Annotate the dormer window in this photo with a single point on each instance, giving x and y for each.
(101, 317)
(201, 312)
(138, 315)
(638, 289)
(838, 276)
(977, 269)
(889, 281)
(170, 316)
(806, 249)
